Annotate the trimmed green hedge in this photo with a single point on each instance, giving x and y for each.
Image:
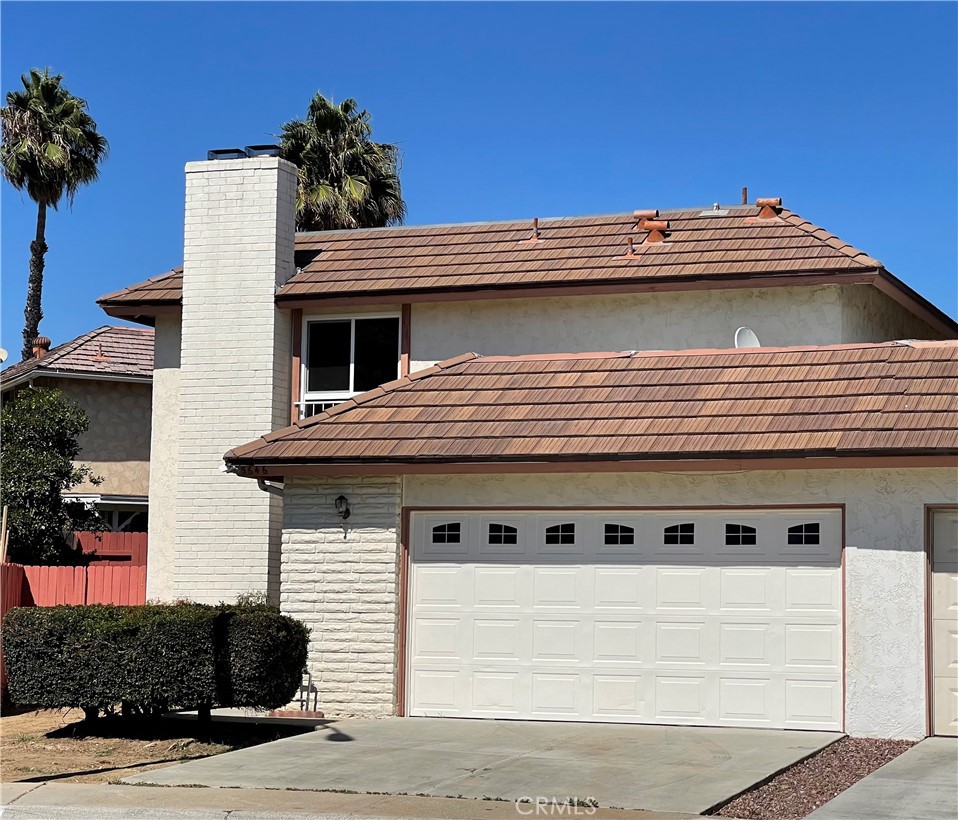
(153, 657)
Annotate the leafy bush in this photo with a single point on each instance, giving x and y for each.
(153, 657)
(40, 429)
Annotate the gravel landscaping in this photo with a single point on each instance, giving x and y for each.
(805, 786)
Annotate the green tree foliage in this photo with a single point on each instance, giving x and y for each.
(51, 147)
(345, 179)
(39, 429)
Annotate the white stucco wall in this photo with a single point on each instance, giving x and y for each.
(868, 315)
(884, 566)
(163, 448)
(642, 321)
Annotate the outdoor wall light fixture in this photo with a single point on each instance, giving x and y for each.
(342, 507)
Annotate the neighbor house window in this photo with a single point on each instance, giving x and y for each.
(804, 534)
(447, 533)
(346, 356)
(503, 534)
(680, 534)
(560, 534)
(619, 534)
(739, 535)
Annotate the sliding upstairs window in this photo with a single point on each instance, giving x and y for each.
(343, 356)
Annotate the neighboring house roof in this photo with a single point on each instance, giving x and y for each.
(699, 246)
(105, 353)
(896, 398)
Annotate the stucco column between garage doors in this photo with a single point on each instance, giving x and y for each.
(346, 589)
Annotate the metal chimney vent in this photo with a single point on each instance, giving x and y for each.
(262, 150)
(226, 153)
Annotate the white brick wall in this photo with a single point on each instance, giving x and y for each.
(345, 587)
(234, 372)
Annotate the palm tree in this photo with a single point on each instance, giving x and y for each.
(345, 179)
(50, 148)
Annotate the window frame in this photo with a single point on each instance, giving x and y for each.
(331, 397)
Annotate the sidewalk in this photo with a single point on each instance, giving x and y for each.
(94, 801)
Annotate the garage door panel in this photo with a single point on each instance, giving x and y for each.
(621, 642)
(599, 627)
(620, 587)
(497, 587)
(745, 701)
(681, 588)
(752, 589)
(812, 646)
(811, 703)
(438, 586)
(812, 590)
(557, 641)
(619, 697)
(745, 644)
(557, 587)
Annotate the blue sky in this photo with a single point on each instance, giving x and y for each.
(847, 111)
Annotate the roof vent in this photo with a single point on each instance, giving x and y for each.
(656, 231)
(769, 208)
(641, 217)
(715, 210)
(41, 346)
(226, 153)
(536, 233)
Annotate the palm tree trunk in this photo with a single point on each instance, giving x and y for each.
(33, 312)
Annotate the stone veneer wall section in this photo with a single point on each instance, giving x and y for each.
(344, 584)
(234, 372)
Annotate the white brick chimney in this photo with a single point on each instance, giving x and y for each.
(234, 372)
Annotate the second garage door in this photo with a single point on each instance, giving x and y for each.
(729, 618)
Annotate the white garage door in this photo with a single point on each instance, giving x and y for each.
(729, 618)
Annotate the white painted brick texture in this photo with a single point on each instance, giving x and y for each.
(234, 372)
(345, 587)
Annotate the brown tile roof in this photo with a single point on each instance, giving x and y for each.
(163, 290)
(868, 399)
(589, 250)
(106, 351)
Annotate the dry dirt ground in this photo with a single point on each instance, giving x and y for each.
(56, 745)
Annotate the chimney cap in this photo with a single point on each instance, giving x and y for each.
(262, 150)
(226, 153)
(652, 213)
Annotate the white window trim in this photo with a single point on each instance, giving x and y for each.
(335, 396)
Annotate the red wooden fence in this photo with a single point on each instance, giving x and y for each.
(106, 584)
(13, 583)
(114, 547)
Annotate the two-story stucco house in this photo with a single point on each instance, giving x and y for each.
(108, 372)
(520, 469)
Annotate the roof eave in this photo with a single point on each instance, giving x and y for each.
(251, 467)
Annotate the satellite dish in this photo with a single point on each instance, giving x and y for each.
(3, 355)
(745, 337)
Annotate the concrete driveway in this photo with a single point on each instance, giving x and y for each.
(662, 768)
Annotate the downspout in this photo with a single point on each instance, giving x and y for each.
(274, 489)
